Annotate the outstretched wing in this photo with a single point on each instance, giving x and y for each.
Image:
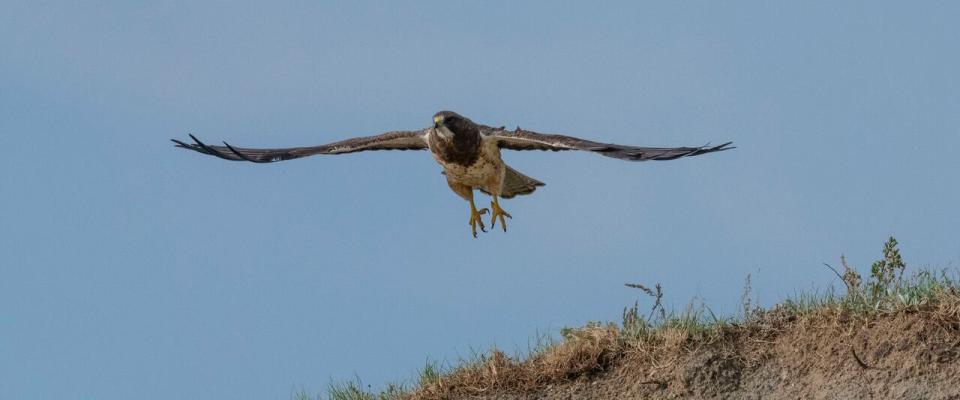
(520, 139)
(396, 140)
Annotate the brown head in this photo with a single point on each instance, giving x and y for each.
(451, 125)
(459, 138)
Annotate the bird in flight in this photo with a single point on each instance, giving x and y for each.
(468, 152)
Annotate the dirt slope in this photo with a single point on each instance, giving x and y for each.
(907, 355)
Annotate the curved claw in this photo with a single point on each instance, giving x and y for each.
(480, 212)
(498, 213)
(476, 220)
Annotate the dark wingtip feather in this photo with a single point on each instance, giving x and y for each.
(710, 149)
(241, 155)
(723, 147)
(203, 148)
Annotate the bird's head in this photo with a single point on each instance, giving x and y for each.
(448, 123)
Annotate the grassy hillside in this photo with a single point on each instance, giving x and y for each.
(885, 334)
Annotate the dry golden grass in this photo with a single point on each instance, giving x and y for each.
(586, 351)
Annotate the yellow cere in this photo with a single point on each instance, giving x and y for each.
(437, 119)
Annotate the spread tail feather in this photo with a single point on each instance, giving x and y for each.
(515, 183)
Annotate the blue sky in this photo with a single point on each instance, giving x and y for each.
(131, 269)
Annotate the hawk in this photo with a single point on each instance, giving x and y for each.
(469, 154)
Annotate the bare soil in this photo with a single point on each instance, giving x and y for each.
(828, 355)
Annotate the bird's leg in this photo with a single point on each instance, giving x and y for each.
(498, 212)
(475, 216)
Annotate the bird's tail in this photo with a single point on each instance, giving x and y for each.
(515, 183)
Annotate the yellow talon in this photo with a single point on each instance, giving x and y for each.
(498, 212)
(475, 218)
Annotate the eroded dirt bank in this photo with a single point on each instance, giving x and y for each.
(908, 355)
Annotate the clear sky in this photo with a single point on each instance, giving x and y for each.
(131, 269)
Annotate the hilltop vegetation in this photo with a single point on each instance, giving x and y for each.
(884, 335)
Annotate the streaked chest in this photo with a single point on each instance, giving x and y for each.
(486, 170)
